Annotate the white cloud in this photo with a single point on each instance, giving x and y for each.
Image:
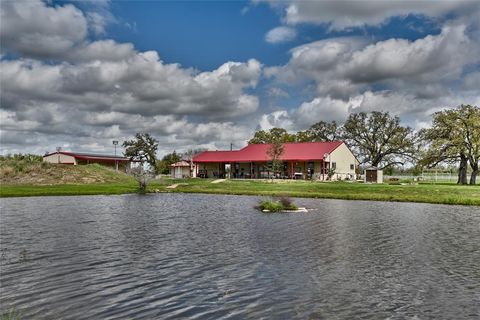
(341, 15)
(280, 34)
(33, 29)
(342, 67)
(413, 111)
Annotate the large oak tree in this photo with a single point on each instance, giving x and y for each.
(454, 137)
(274, 134)
(320, 132)
(378, 139)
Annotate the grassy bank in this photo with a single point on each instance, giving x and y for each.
(428, 193)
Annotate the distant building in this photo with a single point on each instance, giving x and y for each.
(306, 160)
(75, 158)
(180, 170)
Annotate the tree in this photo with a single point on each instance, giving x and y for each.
(142, 176)
(274, 152)
(442, 147)
(455, 136)
(163, 166)
(469, 123)
(272, 135)
(143, 148)
(378, 139)
(320, 131)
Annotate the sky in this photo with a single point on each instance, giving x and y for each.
(79, 74)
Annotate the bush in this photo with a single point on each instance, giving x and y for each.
(271, 206)
(287, 203)
(282, 204)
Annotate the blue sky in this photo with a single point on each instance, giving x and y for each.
(79, 74)
(204, 35)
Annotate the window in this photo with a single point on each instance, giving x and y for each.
(352, 167)
(334, 165)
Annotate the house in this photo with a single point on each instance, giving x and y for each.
(303, 160)
(180, 169)
(75, 158)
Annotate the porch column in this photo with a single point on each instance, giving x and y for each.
(323, 170)
(291, 170)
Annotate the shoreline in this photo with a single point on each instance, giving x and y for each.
(449, 194)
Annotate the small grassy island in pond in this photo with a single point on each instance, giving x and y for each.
(280, 205)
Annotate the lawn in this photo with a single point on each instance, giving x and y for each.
(429, 193)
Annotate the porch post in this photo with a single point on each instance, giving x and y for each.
(291, 170)
(323, 170)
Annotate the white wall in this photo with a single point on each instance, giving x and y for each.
(60, 158)
(343, 158)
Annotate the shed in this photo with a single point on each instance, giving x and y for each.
(373, 175)
(180, 170)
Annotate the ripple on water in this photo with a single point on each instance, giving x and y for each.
(174, 256)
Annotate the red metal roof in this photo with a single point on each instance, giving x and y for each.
(301, 151)
(91, 156)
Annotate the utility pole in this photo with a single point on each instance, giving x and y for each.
(115, 142)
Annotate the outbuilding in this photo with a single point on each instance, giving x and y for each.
(180, 170)
(373, 175)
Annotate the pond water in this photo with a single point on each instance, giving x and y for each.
(197, 256)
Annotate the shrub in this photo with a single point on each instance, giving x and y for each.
(271, 206)
(287, 203)
(282, 204)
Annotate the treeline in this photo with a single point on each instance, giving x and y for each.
(379, 140)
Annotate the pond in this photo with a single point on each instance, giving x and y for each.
(167, 256)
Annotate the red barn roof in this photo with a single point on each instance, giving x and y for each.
(298, 151)
(91, 156)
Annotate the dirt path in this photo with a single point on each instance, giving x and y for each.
(218, 180)
(174, 186)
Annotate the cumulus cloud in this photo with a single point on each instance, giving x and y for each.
(280, 34)
(31, 28)
(342, 67)
(414, 111)
(117, 94)
(103, 90)
(341, 15)
(60, 88)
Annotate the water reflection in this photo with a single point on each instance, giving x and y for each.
(202, 257)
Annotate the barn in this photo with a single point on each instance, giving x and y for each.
(75, 158)
(303, 160)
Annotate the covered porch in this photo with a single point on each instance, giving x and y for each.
(313, 169)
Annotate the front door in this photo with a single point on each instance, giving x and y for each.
(371, 175)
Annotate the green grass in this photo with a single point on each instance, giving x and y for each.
(277, 205)
(11, 314)
(439, 193)
(271, 206)
(446, 193)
